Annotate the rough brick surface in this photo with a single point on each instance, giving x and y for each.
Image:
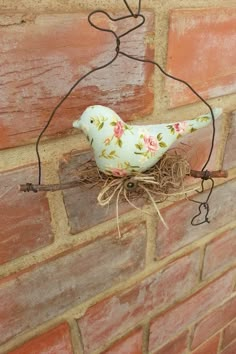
(56, 340)
(36, 295)
(220, 252)
(231, 349)
(80, 199)
(214, 322)
(178, 216)
(177, 346)
(114, 315)
(195, 37)
(229, 334)
(170, 323)
(41, 60)
(209, 347)
(197, 146)
(230, 156)
(24, 218)
(132, 344)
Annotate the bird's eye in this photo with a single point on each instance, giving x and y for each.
(91, 121)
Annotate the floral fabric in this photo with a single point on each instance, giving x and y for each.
(121, 149)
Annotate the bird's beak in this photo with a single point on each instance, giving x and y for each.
(76, 124)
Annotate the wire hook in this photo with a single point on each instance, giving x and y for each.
(130, 10)
(115, 19)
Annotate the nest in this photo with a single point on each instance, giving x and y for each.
(157, 184)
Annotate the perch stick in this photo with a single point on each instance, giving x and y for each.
(61, 186)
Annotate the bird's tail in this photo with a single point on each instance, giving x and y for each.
(189, 126)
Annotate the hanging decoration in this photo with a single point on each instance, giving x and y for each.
(121, 149)
(133, 161)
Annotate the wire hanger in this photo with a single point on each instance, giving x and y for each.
(203, 206)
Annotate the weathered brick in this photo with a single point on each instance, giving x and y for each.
(41, 60)
(178, 345)
(196, 147)
(112, 316)
(230, 156)
(229, 334)
(47, 290)
(56, 340)
(220, 252)
(231, 349)
(78, 217)
(209, 347)
(195, 37)
(174, 321)
(178, 216)
(24, 218)
(212, 323)
(132, 344)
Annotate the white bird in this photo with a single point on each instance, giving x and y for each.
(121, 149)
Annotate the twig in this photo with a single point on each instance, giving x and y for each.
(28, 187)
(209, 174)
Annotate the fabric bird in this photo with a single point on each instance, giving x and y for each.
(121, 149)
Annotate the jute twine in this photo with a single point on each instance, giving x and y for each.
(164, 180)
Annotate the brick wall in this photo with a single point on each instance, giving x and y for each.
(67, 285)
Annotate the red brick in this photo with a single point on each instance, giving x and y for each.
(195, 37)
(49, 289)
(230, 156)
(24, 218)
(79, 219)
(196, 147)
(220, 252)
(112, 316)
(229, 334)
(174, 321)
(212, 323)
(177, 346)
(209, 347)
(231, 349)
(131, 344)
(56, 340)
(42, 60)
(178, 216)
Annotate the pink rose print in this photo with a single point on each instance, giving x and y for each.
(119, 129)
(151, 143)
(180, 127)
(118, 172)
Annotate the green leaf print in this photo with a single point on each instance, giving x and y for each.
(192, 129)
(113, 123)
(112, 155)
(100, 126)
(129, 128)
(159, 137)
(162, 144)
(171, 128)
(103, 153)
(145, 154)
(202, 119)
(99, 122)
(119, 143)
(179, 136)
(139, 146)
